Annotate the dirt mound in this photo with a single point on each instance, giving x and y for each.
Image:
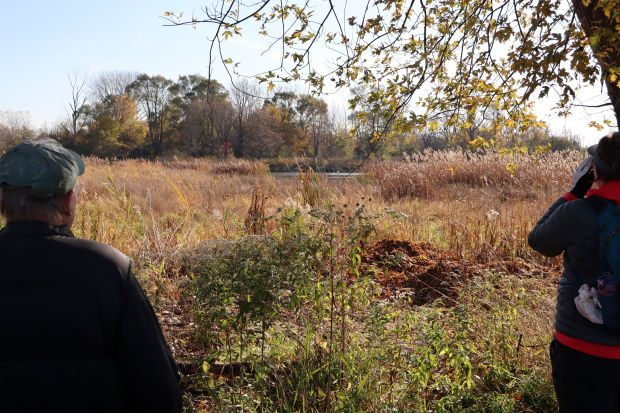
(414, 267)
(428, 274)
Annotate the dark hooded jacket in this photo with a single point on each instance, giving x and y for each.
(570, 227)
(77, 333)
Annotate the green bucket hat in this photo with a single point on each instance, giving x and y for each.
(43, 165)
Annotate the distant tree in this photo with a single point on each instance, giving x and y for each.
(153, 95)
(110, 83)
(78, 108)
(434, 140)
(224, 121)
(15, 127)
(264, 138)
(543, 138)
(369, 123)
(115, 129)
(283, 105)
(245, 98)
(313, 118)
(563, 142)
(339, 144)
(208, 127)
(284, 100)
(193, 87)
(187, 90)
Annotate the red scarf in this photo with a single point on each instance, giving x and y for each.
(608, 190)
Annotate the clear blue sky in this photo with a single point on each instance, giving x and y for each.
(43, 40)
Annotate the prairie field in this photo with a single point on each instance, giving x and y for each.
(410, 288)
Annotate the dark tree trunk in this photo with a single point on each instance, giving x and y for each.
(238, 143)
(614, 95)
(606, 49)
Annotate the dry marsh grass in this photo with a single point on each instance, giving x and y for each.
(472, 209)
(205, 165)
(142, 206)
(430, 174)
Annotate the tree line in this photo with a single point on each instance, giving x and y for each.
(123, 114)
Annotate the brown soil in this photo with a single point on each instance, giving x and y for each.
(428, 274)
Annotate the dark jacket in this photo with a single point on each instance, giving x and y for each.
(571, 227)
(77, 333)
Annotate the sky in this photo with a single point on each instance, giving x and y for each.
(44, 41)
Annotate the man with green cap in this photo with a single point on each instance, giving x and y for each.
(77, 333)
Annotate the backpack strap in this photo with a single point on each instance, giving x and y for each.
(608, 281)
(606, 212)
(609, 228)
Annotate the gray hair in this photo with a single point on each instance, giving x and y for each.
(24, 204)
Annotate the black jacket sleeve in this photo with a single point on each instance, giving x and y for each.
(149, 372)
(549, 236)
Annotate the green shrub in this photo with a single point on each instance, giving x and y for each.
(246, 284)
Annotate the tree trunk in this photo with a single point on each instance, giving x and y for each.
(614, 95)
(596, 25)
(240, 146)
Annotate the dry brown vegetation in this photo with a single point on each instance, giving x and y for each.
(444, 199)
(443, 227)
(511, 175)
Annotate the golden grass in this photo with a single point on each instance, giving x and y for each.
(429, 174)
(474, 208)
(155, 211)
(478, 209)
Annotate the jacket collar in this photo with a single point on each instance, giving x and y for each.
(34, 228)
(609, 190)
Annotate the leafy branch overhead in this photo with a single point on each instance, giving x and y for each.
(460, 62)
